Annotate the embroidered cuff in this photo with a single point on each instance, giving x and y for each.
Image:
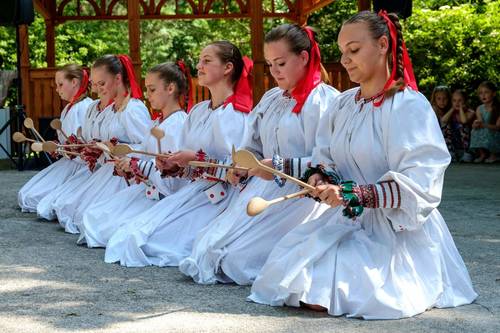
(388, 194)
(146, 167)
(208, 173)
(296, 167)
(381, 195)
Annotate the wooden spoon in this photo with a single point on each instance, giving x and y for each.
(248, 160)
(124, 149)
(158, 133)
(37, 147)
(215, 165)
(28, 123)
(49, 146)
(20, 137)
(57, 125)
(257, 205)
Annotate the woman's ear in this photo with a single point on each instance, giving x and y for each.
(171, 88)
(304, 57)
(74, 82)
(228, 67)
(383, 44)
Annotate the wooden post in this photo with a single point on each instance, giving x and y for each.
(25, 69)
(257, 41)
(134, 36)
(50, 39)
(364, 5)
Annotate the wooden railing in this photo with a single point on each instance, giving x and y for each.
(42, 100)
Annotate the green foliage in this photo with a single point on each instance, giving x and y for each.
(327, 23)
(458, 46)
(450, 42)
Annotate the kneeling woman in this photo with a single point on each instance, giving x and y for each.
(128, 122)
(167, 84)
(72, 86)
(281, 133)
(163, 234)
(387, 253)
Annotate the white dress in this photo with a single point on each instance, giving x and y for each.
(90, 130)
(163, 234)
(234, 247)
(102, 219)
(60, 171)
(128, 126)
(390, 262)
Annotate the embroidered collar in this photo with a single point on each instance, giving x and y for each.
(362, 100)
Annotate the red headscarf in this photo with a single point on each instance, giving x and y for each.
(242, 98)
(84, 84)
(312, 77)
(409, 77)
(135, 89)
(189, 93)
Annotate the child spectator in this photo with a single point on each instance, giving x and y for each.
(441, 101)
(485, 136)
(456, 126)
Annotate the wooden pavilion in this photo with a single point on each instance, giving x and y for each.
(38, 89)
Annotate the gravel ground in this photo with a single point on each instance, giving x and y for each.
(49, 284)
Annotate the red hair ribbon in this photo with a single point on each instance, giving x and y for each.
(312, 77)
(242, 98)
(135, 89)
(189, 93)
(84, 84)
(409, 77)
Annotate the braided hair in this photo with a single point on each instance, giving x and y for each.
(378, 28)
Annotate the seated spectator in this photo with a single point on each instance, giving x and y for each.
(457, 125)
(440, 101)
(485, 135)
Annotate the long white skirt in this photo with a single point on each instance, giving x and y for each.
(100, 186)
(234, 247)
(164, 234)
(365, 269)
(46, 207)
(46, 181)
(102, 219)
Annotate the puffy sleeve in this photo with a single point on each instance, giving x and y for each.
(417, 158)
(82, 112)
(251, 140)
(321, 152)
(314, 112)
(137, 123)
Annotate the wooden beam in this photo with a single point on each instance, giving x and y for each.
(364, 5)
(50, 39)
(25, 68)
(44, 11)
(257, 42)
(134, 36)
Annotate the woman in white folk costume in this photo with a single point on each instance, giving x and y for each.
(128, 122)
(163, 235)
(90, 130)
(167, 86)
(281, 131)
(382, 251)
(72, 86)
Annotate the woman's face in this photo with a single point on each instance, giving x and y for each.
(362, 56)
(105, 83)
(486, 95)
(286, 67)
(211, 70)
(457, 101)
(159, 94)
(64, 87)
(441, 99)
